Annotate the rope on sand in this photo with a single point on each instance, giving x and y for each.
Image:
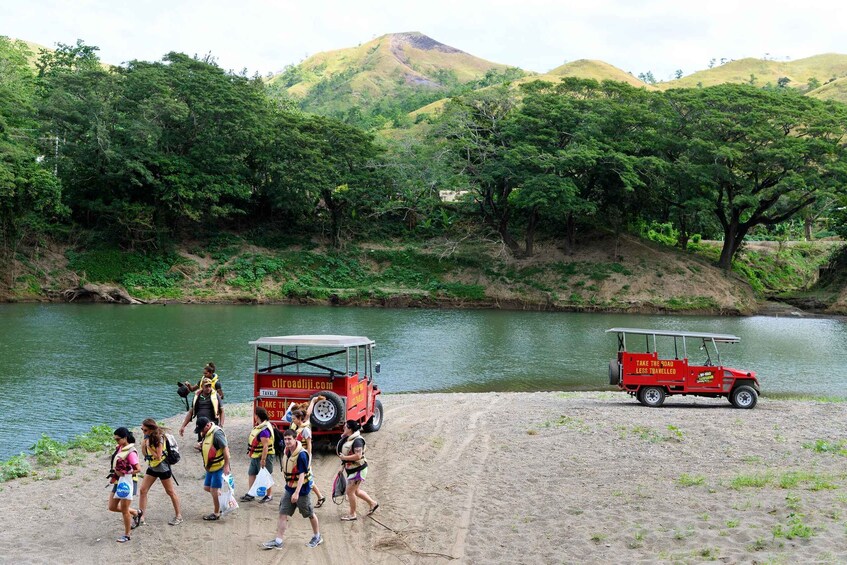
(412, 549)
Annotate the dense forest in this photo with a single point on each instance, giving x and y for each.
(148, 154)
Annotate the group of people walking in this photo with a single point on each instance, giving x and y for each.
(294, 457)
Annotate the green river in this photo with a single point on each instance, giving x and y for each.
(66, 367)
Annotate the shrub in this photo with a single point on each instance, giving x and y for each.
(14, 467)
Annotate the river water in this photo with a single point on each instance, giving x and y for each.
(66, 367)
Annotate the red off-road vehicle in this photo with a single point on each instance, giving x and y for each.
(295, 368)
(640, 371)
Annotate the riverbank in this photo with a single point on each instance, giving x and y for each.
(502, 477)
(605, 273)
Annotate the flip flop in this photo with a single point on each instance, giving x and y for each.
(212, 517)
(374, 509)
(349, 518)
(320, 502)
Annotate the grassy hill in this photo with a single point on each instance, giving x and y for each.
(582, 68)
(405, 69)
(820, 69)
(588, 68)
(835, 90)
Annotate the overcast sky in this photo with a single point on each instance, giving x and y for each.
(265, 35)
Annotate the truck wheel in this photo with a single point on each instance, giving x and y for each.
(327, 413)
(652, 396)
(743, 397)
(375, 423)
(614, 372)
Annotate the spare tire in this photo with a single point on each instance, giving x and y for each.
(614, 372)
(327, 413)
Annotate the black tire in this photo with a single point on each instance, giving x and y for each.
(375, 422)
(743, 397)
(614, 372)
(652, 396)
(327, 413)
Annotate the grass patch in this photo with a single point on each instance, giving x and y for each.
(837, 447)
(568, 422)
(687, 480)
(750, 481)
(813, 481)
(49, 454)
(794, 528)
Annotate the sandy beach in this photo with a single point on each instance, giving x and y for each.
(498, 478)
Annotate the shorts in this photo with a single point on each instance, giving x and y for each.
(164, 475)
(304, 504)
(358, 475)
(214, 479)
(255, 467)
(134, 488)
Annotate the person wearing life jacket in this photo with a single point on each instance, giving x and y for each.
(260, 444)
(185, 387)
(154, 452)
(351, 450)
(302, 427)
(206, 404)
(124, 462)
(215, 452)
(298, 484)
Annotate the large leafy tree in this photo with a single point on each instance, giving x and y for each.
(317, 168)
(30, 195)
(151, 148)
(475, 127)
(753, 157)
(577, 147)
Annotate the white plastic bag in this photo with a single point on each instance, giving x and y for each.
(124, 488)
(264, 480)
(226, 498)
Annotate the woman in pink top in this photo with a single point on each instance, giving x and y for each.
(125, 462)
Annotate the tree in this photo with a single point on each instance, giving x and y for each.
(318, 167)
(677, 74)
(760, 156)
(474, 128)
(572, 149)
(30, 195)
(153, 147)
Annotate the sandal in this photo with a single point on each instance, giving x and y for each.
(320, 502)
(374, 509)
(349, 518)
(136, 520)
(176, 521)
(123, 539)
(212, 517)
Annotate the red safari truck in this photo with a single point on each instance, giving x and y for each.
(644, 373)
(295, 368)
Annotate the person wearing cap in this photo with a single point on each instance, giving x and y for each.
(208, 404)
(215, 452)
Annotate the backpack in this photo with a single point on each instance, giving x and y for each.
(279, 444)
(172, 456)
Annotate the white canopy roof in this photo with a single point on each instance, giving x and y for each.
(315, 340)
(695, 335)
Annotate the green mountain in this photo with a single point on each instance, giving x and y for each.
(588, 68)
(808, 73)
(401, 71)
